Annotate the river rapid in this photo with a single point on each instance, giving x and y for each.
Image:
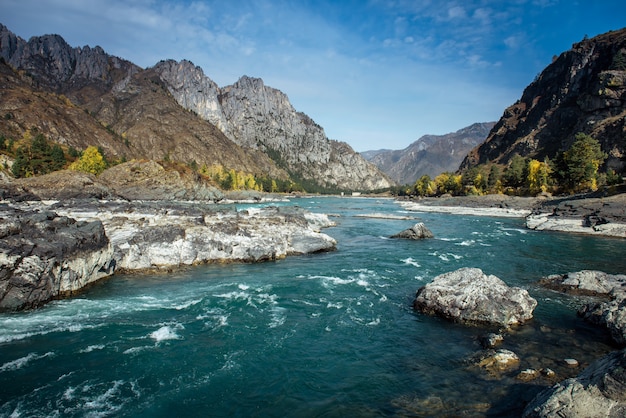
(330, 334)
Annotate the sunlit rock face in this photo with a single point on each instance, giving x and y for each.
(256, 116)
(469, 296)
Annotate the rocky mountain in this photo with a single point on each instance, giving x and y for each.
(256, 116)
(431, 154)
(83, 96)
(583, 90)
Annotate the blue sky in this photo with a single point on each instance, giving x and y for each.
(375, 74)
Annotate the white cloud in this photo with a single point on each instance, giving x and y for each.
(456, 12)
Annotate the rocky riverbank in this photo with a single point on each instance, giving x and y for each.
(585, 214)
(50, 250)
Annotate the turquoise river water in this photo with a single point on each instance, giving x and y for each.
(330, 334)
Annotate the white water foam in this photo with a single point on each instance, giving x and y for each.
(166, 332)
(185, 305)
(411, 262)
(91, 348)
(278, 316)
(23, 361)
(466, 243)
(446, 256)
(135, 350)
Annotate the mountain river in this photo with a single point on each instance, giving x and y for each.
(331, 334)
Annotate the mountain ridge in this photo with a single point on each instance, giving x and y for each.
(430, 154)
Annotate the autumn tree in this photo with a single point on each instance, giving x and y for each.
(424, 186)
(448, 183)
(538, 175)
(91, 161)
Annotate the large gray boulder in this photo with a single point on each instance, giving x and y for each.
(416, 232)
(44, 256)
(468, 295)
(599, 391)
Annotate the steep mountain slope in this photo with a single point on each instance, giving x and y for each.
(260, 117)
(431, 154)
(23, 108)
(583, 90)
(152, 114)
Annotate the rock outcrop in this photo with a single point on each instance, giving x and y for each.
(416, 232)
(430, 154)
(610, 314)
(468, 295)
(156, 235)
(586, 282)
(256, 116)
(44, 256)
(496, 362)
(583, 90)
(599, 391)
(52, 250)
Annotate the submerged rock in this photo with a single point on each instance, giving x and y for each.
(497, 362)
(417, 231)
(44, 256)
(599, 391)
(491, 340)
(470, 296)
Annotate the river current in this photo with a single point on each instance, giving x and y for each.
(330, 334)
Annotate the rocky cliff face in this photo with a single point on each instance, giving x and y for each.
(256, 116)
(51, 63)
(583, 90)
(431, 154)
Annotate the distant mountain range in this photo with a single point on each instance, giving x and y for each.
(430, 154)
(83, 96)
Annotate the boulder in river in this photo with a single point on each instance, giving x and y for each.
(468, 295)
(417, 231)
(599, 391)
(611, 314)
(586, 282)
(44, 256)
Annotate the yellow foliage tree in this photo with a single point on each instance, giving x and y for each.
(538, 175)
(90, 162)
(448, 183)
